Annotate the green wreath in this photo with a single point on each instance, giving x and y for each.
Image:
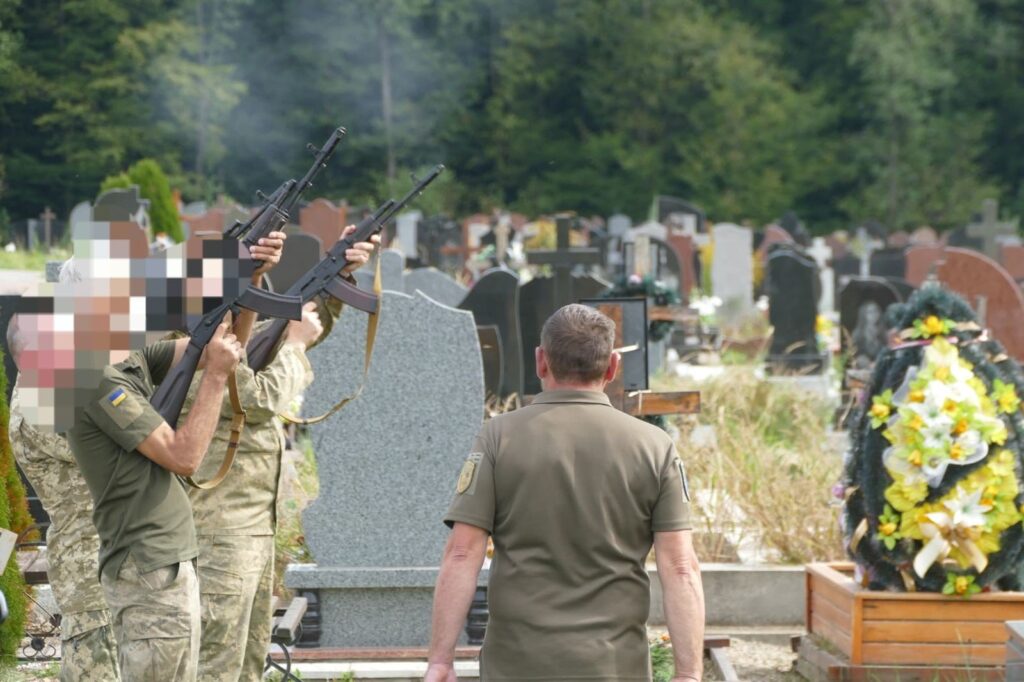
(634, 287)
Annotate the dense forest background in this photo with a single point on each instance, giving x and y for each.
(903, 111)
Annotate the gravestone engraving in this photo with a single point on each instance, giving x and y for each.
(387, 465)
(793, 287)
(436, 285)
(301, 253)
(494, 301)
(732, 277)
(863, 302)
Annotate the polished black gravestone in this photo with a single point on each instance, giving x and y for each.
(494, 301)
(119, 204)
(490, 353)
(889, 262)
(793, 287)
(537, 303)
(863, 302)
(301, 253)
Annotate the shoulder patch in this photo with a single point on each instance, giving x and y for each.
(468, 473)
(682, 477)
(121, 406)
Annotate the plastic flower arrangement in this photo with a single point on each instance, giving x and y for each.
(932, 482)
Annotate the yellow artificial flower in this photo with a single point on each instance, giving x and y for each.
(904, 497)
(950, 407)
(916, 423)
(933, 325)
(942, 373)
(880, 411)
(961, 584)
(956, 451)
(916, 396)
(915, 458)
(887, 528)
(961, 427)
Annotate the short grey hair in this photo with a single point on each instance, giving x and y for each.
(69, 271)
(578, 342)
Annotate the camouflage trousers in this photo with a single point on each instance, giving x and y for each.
(236, 585)
(88, 650)
(156, 621)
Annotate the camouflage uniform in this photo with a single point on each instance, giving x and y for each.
(88, 647)
(235, 521)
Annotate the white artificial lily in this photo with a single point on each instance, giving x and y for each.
(958, 527)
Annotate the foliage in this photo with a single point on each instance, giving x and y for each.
(662, 663)
(14, 516)
(770, 443)
(932, 488)
(153, 185)
(116, 181)
(904, 111)
(289, 540)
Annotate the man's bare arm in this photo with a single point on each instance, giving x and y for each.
(181, 451)
(683, 598)
(463, 556)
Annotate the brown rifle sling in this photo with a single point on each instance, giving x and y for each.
(371, 337)
(237, 424)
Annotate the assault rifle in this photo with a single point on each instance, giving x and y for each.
(278, 206)
(324, 278)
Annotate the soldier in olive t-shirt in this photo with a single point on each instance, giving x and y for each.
(572, 492)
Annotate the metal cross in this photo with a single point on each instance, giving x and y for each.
(563, 259)
(990, 229)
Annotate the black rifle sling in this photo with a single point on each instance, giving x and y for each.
(371, 336)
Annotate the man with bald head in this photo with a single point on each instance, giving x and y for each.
(574, 493)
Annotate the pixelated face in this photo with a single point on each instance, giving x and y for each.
(123, 300)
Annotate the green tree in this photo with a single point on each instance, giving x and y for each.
(153, 185)
(921, 147)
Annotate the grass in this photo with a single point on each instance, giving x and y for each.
(763, 471)
(30, 260)
(290, 541)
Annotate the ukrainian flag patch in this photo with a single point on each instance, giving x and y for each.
(117, 397)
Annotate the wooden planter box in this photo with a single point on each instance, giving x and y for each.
(872, 628)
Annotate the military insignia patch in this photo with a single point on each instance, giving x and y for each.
(117, 397)
(468, 474)
(682, 476)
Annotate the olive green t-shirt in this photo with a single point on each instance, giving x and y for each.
(572, 491)
(139, 507)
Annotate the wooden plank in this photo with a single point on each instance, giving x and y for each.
(832, 613)
(857, 630)
(720, 660)
(930, 631)
(831, 634)
(650, 404)
(834, 593)
(941, 610)
(934, 654)
(671, 313)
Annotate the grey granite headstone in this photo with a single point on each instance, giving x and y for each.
(392, 263)
(619, 224)
(436, 285)
(53, 270)
(195, 208)
(732, 275)
(81, 213)
(405, 232)
(388, 464)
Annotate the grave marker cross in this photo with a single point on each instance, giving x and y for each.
(990, 229)
(563, 259)
(502, 231)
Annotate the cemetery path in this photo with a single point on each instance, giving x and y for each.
(17, 281)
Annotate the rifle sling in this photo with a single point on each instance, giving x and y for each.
(237, 424)
(371, 337)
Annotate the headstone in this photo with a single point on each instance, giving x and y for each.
(632, 320)
(234, 214)
(898, 240)
(732, 277)
(81, 213)
(435, 285)
(494, 301)
(47, 217)
(439, 245)
(862, 305)
(405, 232)
(992, 293)
(773, 234)
(325, 220)
(839, 243)
(490, 356)
(301, 253)
(845, 267)
(211, 221)
(619, 224)
(117, 205)
(563, 260)
(53, 270)
(686, 254)
(34, 231)
(989, 229)
(679, 213)
(392, 277)
(386, 464)
(866, 243)
(1012, 258)
(889, 262)
(537, 302)
(921, 262)
(793, 287)
(822, 255)
(792, 224)
(924, 236)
